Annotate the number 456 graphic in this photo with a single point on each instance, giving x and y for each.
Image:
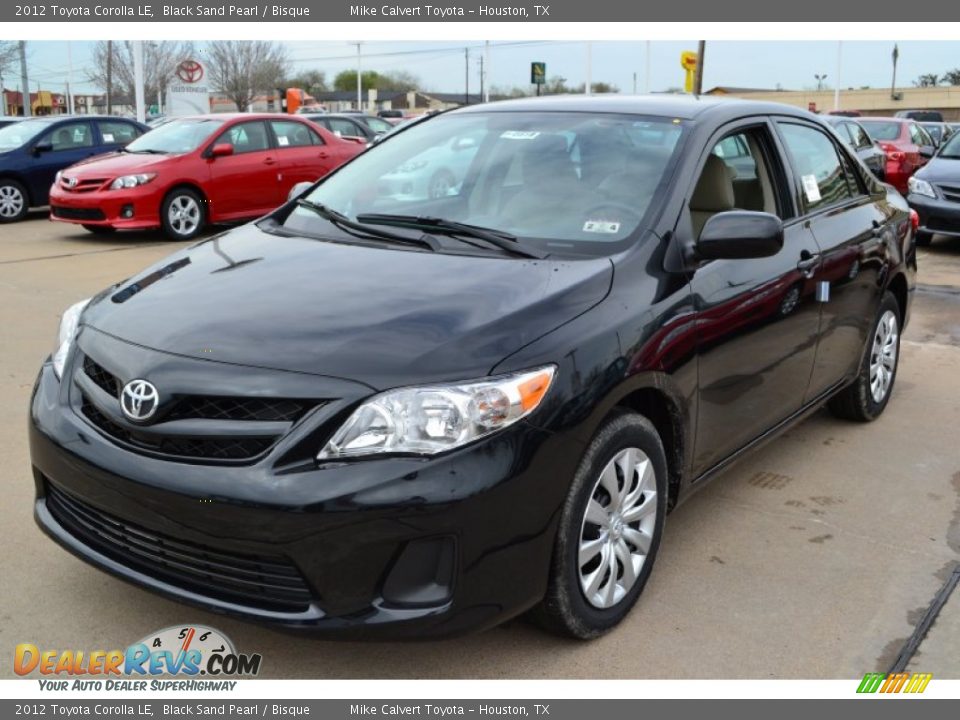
(894, 682)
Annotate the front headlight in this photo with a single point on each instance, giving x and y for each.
(431, 419)
(129, 181)
(412, 166)
(68, 331)
(920, 187)
(56, 178)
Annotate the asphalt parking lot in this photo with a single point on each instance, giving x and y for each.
(816, 557)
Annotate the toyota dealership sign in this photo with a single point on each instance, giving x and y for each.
(189, 89)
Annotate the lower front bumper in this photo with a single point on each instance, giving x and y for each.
(941, 217)
(395, 548)
(136, 209)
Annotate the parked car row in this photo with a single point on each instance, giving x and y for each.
(108, 174)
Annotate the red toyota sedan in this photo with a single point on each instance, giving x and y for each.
(195, 171)
(907, 145)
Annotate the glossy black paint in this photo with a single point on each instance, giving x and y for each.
(942, 213)
(718, 354)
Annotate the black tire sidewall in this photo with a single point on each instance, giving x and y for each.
(165, 207)
(26, 201)
(872, 409)
(625, 430)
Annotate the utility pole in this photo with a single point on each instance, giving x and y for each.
(698, 75)
(634, 83)
(359, 75)
(24, 80)
(466, 90)
(70, 106)
(588, 86)
(893, 82)
(482, 81)
(3, 96)
(109, 97)
(486, 70)
(138, 90)
(646, 70)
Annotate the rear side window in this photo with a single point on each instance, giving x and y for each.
(69, 136)
(292, 134)
(116, 132)
(824, 177)
(344, 128)
(860, 138)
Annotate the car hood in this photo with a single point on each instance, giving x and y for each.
(384, 317)
(117, 163)
(940, 169)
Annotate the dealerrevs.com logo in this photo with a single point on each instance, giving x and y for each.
(180, 651)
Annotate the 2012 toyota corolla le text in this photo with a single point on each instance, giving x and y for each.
(377, 414)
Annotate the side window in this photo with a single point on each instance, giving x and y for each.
(292, 134)
(378, 125)
(860, 138)
(345, 128)
(69, 136)
(114, 132)
(823, 177)
(736, 176)
(246, 137)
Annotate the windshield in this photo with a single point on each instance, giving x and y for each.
(936, 131)
(578, 182)
(951, 148)
(882, 129)
(177, 136)
(19, 133)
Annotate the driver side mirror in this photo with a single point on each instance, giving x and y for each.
(740, 234)
(221, 150)
(298, 189)
(42, 147)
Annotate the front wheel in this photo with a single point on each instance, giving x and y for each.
(610, 529)
(13, 201)
(865, 398)
(183, 214)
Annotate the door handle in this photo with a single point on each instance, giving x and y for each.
(323, 154)
(269, 161)
(808, 262)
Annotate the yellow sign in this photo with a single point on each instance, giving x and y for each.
(688, 61)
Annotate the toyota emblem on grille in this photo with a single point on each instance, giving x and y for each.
(139, 400)
(70, 182)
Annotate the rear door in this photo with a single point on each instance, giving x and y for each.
(304, 156)
(757, 319)
(68, 143)
(247, 182)
(851, 231)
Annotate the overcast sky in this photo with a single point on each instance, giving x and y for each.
(441, 66)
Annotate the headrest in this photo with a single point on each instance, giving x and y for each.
(714, 191)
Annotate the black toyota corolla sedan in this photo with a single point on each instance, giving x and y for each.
(373, 413)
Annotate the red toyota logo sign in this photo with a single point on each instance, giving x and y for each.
(190, 71)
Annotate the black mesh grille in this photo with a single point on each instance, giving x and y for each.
(235, 408)
(265, 582)
(104, 380)
(195, 447)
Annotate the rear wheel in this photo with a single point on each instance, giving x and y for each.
(183, 214)
(924, 239)
(441, 184)
(867, 396)
(100, 229)
(610, 529)
(13, 201)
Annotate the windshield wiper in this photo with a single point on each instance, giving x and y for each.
(149, 151)
(355, 228)
(498, 238)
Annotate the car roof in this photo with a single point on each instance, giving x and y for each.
(686, 107)
(241, 116)
(60, 118)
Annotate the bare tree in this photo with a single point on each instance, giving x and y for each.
(927, 80)
(159, 61)
(9, 56)
(952, 77)
(241, 69)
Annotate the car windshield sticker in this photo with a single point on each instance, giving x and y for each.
(811, 188)
(108, 137)
(282, 140)
(601, 226)
(519, 135)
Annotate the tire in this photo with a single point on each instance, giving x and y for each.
(440, 184)
(14, 201)
(183, 214)
(100, 229)
(864, 400)
(569, 608)
(924, 239)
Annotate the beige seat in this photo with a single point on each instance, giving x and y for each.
(713, 193)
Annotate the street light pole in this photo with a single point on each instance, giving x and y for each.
(588, 87)
(836, 89)
(138, 90)
(359, 75)
(820, 79)
(486, 71)
(698, 75)
(24, 80)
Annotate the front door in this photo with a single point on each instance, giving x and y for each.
(245, 183)
(757, 319)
